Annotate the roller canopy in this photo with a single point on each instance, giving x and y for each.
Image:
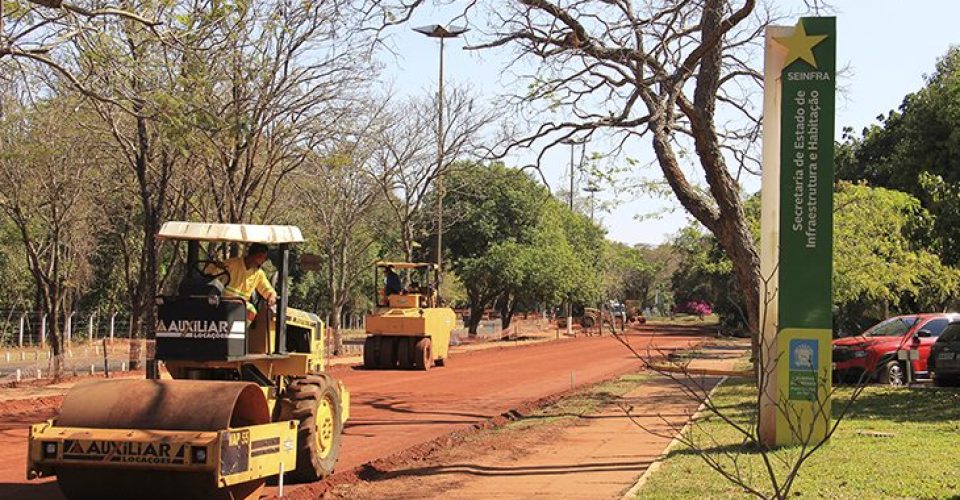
(234, 233)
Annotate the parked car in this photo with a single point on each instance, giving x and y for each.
(944, 360)
(873, 354)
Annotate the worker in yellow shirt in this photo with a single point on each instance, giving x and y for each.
(246, 276)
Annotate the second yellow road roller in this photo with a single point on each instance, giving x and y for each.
(409, 329)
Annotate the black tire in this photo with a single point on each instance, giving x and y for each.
(369, 354)
(943, 381)
(424, 354)
(388, 353)
(892, 373)
(315, 402)
(405, 350)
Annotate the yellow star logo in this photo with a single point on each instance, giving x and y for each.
(800, 45)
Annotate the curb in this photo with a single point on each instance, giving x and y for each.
(634, 490)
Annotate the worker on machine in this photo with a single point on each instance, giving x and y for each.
(393, 284)
(246, 276)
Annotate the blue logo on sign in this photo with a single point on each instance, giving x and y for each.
(803, 354)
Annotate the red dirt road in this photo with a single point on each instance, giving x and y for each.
(393, 411)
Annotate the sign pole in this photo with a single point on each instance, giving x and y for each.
(797, 231)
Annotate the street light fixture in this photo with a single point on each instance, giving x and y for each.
(572, 141)
(442, 32)
(593, 189)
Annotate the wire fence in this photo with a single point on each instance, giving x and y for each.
(20, 328)
(87, 358)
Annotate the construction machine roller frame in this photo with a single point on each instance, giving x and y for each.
(408, 330)
(245, 403)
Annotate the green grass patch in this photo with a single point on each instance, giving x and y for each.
(918, 460)
(581, 403)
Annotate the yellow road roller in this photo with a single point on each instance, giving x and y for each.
(408, 330)
(247, 400)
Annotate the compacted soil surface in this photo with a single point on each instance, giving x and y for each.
(399, 416)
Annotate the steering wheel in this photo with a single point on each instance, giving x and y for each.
(218, 271)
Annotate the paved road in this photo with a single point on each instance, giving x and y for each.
(393, 411)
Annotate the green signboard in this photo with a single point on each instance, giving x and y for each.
(805, 324)
(806, 175)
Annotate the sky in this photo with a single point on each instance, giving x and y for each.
(887, 46)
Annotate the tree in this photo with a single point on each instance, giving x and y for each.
(496, 209)
(284, 74)
(345, 207)
(880, 263)
(663, 72)
(628, 275)
(406, 166)
(41, 32)
(514, 244)
(48, 192)
(705, 274)
(915, 150)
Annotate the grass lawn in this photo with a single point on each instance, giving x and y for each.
(579, 404)
(920, 460)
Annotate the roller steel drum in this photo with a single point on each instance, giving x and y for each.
(172, 405)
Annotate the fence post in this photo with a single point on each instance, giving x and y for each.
(43, 329)
(20, 336)
(69, 327)
(113, 319)
(90, 326)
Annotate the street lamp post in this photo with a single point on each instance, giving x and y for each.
(573, 143)
(442, 32)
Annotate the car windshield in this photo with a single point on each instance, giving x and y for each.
(951, 333)
(893, 327)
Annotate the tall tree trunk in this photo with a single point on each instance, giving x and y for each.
(336, 327)
(152, 205)
(476, 314)
(506, 307)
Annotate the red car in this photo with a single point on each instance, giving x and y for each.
(874, 352)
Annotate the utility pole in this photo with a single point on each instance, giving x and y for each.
(442, 32)
(573, 143)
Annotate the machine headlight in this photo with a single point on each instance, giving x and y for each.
(198, 454)
(50, 450)
(859, 354)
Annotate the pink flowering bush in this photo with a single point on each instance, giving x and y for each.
(699, 307)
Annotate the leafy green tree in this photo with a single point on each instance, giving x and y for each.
(705, 274)
(916, 149)
(514, 245)
(881, 262)
(628, 273)
(878, 264)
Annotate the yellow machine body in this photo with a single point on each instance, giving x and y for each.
(404, 319)
(409, 329)
(241, 407)
(229, 457)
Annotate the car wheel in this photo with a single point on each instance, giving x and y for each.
(892, 374)
(942, 381)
